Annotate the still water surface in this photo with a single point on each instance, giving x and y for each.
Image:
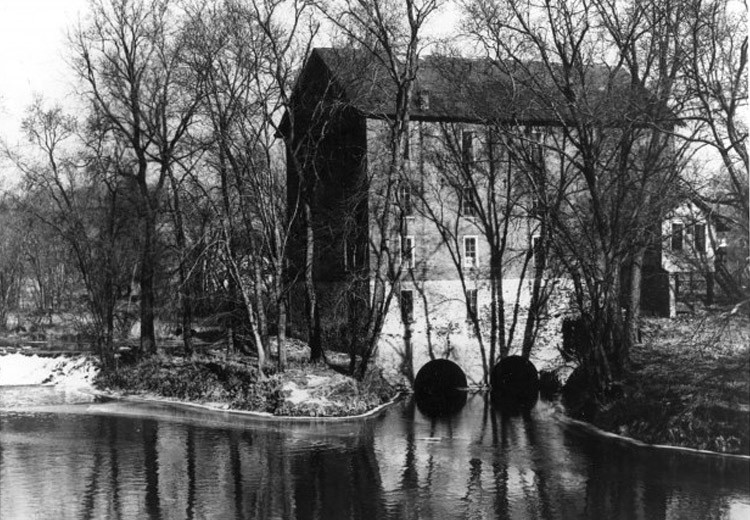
(64, 456)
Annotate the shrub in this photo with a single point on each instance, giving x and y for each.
(234, 383)
(202, 379)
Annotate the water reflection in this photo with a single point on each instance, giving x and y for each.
(102, 461)
(443, 404)
(511, 406)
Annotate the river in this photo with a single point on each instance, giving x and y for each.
(66, 455)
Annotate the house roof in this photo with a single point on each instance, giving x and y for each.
(472, 90)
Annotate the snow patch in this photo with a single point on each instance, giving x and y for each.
(308, 392)
(70, 372)
(295, 394)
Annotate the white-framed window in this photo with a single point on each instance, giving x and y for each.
(471, 304)
(407, 306)
(408, 251)
(677, 236)
(470, 251)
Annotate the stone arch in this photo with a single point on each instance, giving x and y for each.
(440, 388)
(515, 383)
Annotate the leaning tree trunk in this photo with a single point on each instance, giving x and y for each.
(535, 305)
(254, 330)
(247, 301)
(259, 307)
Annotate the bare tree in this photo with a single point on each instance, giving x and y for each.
(389, 33)
(608, 104)
(12, 264)
(72, 188)
(477, 189)
(249, 55)
(47, 261)
(131, 60)
(288, 46)
(712, 39)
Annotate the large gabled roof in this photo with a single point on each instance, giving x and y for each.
(461, 89)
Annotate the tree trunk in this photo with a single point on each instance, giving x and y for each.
(407, 366)
(184, 291)
(501, 336)
(148, 336)
(535, 305)
(493, 315)
(633, 309)
(281, 317)
(229, 315)
(254, 329)
(281, 335)
(109, 349)
(259, 306)
(313, 319)
(428, 322)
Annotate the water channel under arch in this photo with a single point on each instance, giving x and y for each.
(64, 456)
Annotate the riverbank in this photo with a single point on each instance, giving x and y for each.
(302, 390)
(689, 385)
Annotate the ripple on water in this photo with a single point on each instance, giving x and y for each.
(130, 460)
(35, 396)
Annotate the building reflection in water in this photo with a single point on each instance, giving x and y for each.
(478, 463)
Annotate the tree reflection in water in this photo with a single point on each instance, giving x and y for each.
(478, 463)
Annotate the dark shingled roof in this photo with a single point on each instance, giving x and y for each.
(469, 90)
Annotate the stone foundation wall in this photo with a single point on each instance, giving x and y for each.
(440, 325)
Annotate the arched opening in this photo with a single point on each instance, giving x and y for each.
(515, 383)
(440, 388)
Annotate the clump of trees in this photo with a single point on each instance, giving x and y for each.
(618, 164)
(169, 188)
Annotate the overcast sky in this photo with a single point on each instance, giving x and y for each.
(32, 55)
(33, 46)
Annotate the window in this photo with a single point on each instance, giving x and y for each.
(536, 147)
(470, 251)
(423, 100)
(677, 229)
(536, 251)
(407, 306)
(467, 147)
(466, 202)
(404, 199)
(471, 304)
(700, 238)
(407, 251)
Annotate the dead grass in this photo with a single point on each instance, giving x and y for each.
(689, 386)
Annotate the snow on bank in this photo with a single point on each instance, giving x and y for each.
(70, 372)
